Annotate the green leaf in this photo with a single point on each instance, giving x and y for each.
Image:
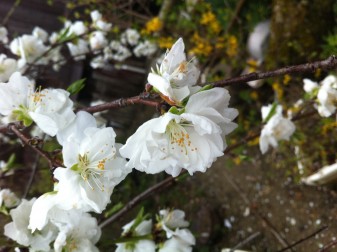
(76, 86)
(113, 210)
(22, 115)
(271, 112)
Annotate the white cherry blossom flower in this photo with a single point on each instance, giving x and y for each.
(78, 231)
(79, 49)
(8, 199)
(3, 35)
(191, 139)
(78, 28)
(93, 164)
(175, 76)
(116, 51)
(40, 34)
(18, 229)
(98, 21)
(327, 96)
(50, 109)
(176, 245)
(7, 67)
(145, 49)
(130, 36)
(97, 40)
(98, 62)
(142, 245)
(309, 85)
(29, 48)
(277, 128)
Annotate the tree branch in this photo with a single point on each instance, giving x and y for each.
(326, 64)
(144, 98)
(139, 198)
(52, 162)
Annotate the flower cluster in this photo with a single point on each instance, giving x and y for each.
(326, 93)
(170, 233)
(191, 135)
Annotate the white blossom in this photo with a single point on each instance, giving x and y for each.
(309, 85)
(130, 36)
(19, 232)
(93, 164)
(98, 21)
(3, 35)
(29, 48)
(40, 34)
(79, 49)
(116, 51)
(78, 231)
(145, 49)
(97, 40)
(175, 76)
(8, 199)
(78, 28)
(142, 245)
(191, 140)
(327, 96)
(50, 109)
(98, 62)
(7, 67)
(277, 128)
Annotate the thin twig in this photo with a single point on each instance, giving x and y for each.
(304, 239)
(245, 241)
(52, 163)
(123, 102)
(328, 246)
(32, 175)
(10, 12)
(326, 64)
(235, 15)
(136, 200)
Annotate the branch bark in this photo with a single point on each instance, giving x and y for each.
(326, 64)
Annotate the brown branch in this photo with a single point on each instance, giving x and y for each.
(144, 98)
(52, 163)
(326, 64)
(304, 239)
(139, 198)
(328, 246)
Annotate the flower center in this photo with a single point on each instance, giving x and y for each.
(91, 171)
(179, 139)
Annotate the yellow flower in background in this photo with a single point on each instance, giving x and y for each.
(278, 90)
(153, 25)
(202, 46)
(286, 79)
(165, 42)
(232, 46)
(209, 19)
(252, 65)
(254, 95)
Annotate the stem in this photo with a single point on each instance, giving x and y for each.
(139, 198)
(326, 64)
(123, 102)
(10, 12)
(52, 163)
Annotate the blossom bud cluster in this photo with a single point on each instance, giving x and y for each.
(41, 49)
(169, 233)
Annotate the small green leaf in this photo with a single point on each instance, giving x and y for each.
(74, 167)
(22, 115)
(76, 86)
(271, 112)
(113, 210)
